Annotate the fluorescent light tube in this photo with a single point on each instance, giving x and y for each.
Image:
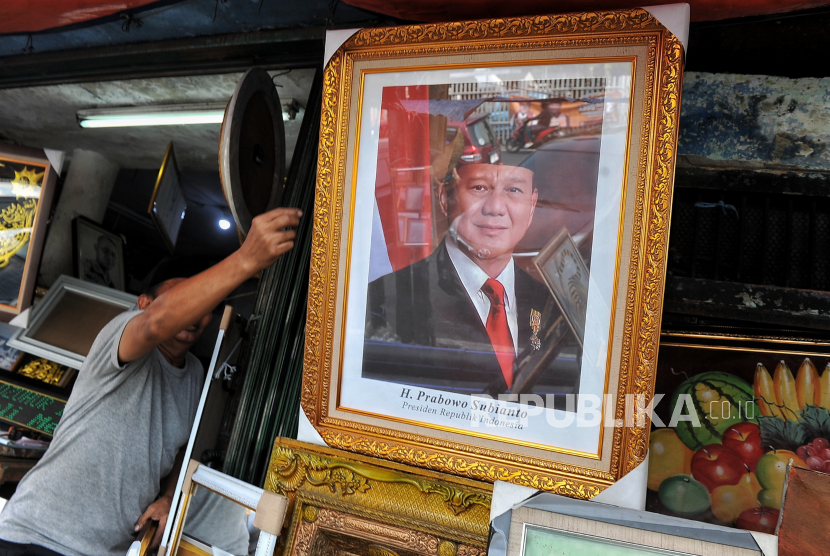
(181, 114)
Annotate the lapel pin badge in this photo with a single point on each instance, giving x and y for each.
(535, 322)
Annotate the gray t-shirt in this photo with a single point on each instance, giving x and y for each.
(118, 437)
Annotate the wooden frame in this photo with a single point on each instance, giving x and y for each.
(167, 204)
(29, 183)
(93, 247)
(580, 535)
(68, 319)
(375, 502)
(434, 423)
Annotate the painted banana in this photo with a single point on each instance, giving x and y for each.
(785, 392)
(824, 390)
(765, 391)
(807, 385)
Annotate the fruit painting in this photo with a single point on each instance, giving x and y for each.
(736, 416)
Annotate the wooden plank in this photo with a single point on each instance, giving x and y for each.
(759, 181)
(784, 307)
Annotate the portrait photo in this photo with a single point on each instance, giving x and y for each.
(98, 254)
(488, 253)
(456, 303)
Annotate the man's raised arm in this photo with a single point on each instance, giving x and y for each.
(188, 302)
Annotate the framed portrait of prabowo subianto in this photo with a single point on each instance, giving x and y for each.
(470, 175)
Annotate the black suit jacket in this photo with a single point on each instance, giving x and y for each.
(422, 329)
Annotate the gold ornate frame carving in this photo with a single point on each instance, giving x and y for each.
(395, 506)
(640, 271)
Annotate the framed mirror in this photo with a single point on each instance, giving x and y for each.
(222, 515)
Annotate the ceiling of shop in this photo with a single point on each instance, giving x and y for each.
(46, 117)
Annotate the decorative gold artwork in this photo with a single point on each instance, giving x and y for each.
(19, 215)
(43, 370)
(346, 501)
(26, 186)
(410, 118)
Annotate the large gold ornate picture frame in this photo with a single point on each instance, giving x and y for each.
(363, 505)
(452, 153)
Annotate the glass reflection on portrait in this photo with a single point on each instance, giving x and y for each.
(467, 309)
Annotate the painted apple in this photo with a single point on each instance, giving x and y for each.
(683, 495)
(667, 456)
(772, 468)
(729, 501)
(763, 520)
(745, 440)
(716, 465)
(771, 472)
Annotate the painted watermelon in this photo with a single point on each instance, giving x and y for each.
(720, 401)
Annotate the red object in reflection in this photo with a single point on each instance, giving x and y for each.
(462, 10)
(31, 16)
(402, 183)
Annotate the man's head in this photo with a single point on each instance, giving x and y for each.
(489, 208)
(190, 335)
(524, 107)
(106, 252)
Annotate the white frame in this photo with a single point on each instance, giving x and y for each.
(173, 524)
(238, 491)
(23, 339)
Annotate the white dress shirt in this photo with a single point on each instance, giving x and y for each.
(473, 278)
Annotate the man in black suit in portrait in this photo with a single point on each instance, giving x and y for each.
(466, 319)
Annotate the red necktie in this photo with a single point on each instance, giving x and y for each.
(498, 330)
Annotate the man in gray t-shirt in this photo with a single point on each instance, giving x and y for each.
(117, 451)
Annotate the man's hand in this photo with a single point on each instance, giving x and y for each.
(269, 237)
(184, 304)
(157, 511)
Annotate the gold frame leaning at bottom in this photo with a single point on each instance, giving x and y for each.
(392, 506)
(644, 225)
